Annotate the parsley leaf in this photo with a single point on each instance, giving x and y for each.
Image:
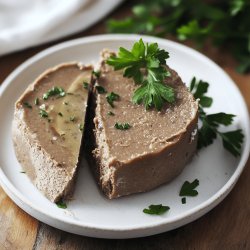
(27, 105)
(122, 126)
(54, 91)
(209, 130)
(72, 118)
(36, 101)
(111, 97)
(81, 127)
(43, 113)
(85, 85)
(100, 89)
(194, 31)
(156, 209)
(232, 141)
(188, 188)
(110, 113)
(61, 204)
(145, 63)
(97, 74)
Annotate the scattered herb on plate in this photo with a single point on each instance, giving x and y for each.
(151, 60)
(54, 91)
(122, 126)
(60, 114)
(209, 130)
(188, 188)
(111, 97)
(61, 204)
(156, 209)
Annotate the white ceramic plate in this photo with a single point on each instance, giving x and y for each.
(90, 213)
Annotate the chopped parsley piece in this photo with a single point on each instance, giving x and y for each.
(37, 101)
(122, 126)
(61, 204)
(183, 200)
(54, 91)
(111, 97)
(43, 113)
(97, 74)
(156, 209)
(145, 63)
(22, 172)
(60, 114)
(27, 105)
(81, 127)
(188, 188)
(72, 118)
(65, 103)
(208, 132)
(100, 89)
(110, 113)
(86, 85)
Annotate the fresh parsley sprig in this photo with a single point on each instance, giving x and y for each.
(208, 132)
(145, 63)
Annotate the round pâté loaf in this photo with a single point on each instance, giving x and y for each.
(48, 125)
(156, 147)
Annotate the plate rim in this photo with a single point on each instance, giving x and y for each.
(202, 208)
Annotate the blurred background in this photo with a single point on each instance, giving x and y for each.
(223, 24)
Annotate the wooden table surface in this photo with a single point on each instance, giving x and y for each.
(226, 227)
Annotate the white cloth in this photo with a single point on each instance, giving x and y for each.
(24, 23)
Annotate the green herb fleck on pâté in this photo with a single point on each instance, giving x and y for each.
(85, 85)
(54, 91)
(97, 74)
(100, 89)
(27, 105)
(111, 97)
(110, 113)
(122, 126)
(37, 101)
